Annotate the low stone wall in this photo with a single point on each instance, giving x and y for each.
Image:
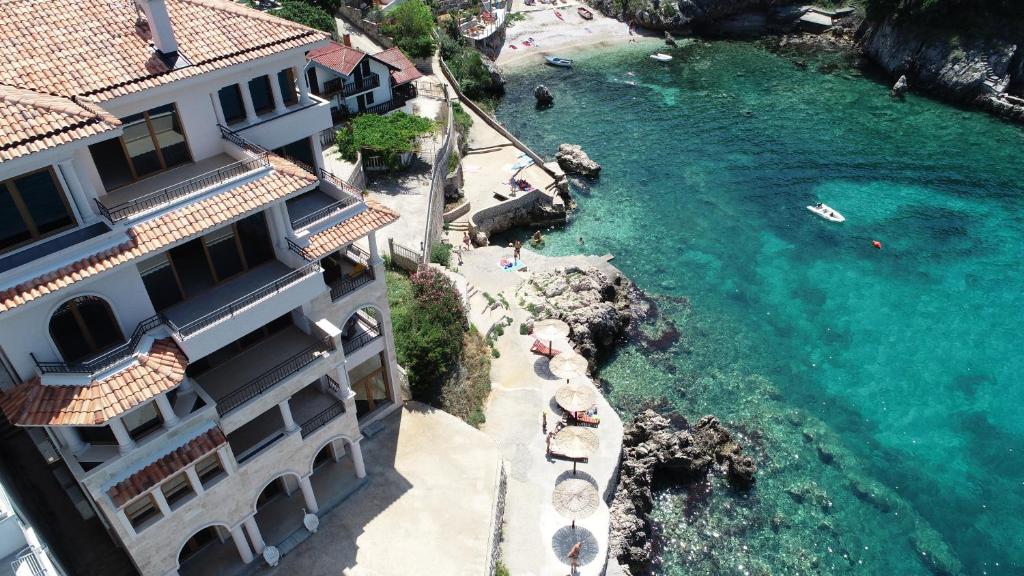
(513, 212)
(457, 212)
(499, 518)
(355, 16)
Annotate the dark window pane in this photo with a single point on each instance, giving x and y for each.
(142, 420)
(158, 277)
(287, 84)
(231, 104)
(262, 99)
(67, 335)
(100, 323)
(301, 150)
(223, 253)
(44, 200)
(369, 98)
(97, 434)
(193, 267)
(13, 230)
(255, 237)
(314, 85)
(170, 135)
(139, 144)
(111, 163)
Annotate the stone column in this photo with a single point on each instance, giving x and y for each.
(307, 495)
(254, 534)
(390, 364)
(286, 415)
(243, 547)
(166, 411)
(72, 439)
(300, 78)
(161, 502)
(124, 440)
(194, 481)
(250, 109)
(318, 151)
(337, 449)
(357, 459)
(275, 91)
(227, 459)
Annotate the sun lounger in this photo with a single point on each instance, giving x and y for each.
(586, 419)
(359, 269)
(543, 349)
(500, 196)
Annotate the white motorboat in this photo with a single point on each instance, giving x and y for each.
(827, 212)
(661, 57)
(558, 61)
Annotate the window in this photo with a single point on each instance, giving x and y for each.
(100, 435)
(152, 142)
(142, 420)
(231, 104)
(369, 98)
(161, 281)
(223, 250)
(286, 80)
(314, 85)
(32, 206)
(83, 327)
(177, 490)
(262, 97)
(142, 512)
(210, 470)
(364, 67)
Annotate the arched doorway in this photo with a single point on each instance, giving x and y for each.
(209, 552)
(83, 327)
(280, 508)
(334, 472)
(361, 328)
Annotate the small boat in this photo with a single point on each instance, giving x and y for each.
(558, 61)
(585, 14)
(827, 212)
(661, 57)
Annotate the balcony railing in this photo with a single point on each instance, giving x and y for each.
(336, 85)
(183, 189)
(275, 375)
(300, 250)
(106, 359)
(324, 213)
(320, 420)
(368, 335)
(349, 283)
(239, 304)
(234, 138)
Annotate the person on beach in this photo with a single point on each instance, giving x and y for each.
(516, 249)
(544, 422)
(580, 241)
(574, 556)
(466, 241)
(458, 254)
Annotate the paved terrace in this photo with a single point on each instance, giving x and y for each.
(427, 508)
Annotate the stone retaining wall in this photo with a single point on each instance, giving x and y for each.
(501, 217)
(457, 212)
(499, 518)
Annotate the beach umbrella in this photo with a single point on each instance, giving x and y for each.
(568, 365)
(551, 329)
(575, 498)
(575, 442)
(567, 537)
(576, 396)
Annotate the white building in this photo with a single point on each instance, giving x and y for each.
(356, 82)
(187, 316)
(21, 552)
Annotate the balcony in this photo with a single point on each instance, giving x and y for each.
(346, 89)
(316, 207)
(353, 272)
(107, 359)
(360, 330)
(260, 368)
(204, 323)
(177, 185)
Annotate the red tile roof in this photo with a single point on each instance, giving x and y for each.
(405, 70)
(151, 235)
(375, 217)
(31, 121)
(33, 403)
(101, 48)
(337, 57)
(166, 466)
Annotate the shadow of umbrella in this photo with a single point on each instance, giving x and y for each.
(566, 537)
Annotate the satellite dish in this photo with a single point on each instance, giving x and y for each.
(271, 555)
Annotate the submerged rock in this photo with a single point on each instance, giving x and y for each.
(654, 446)
(899, 89)
(574, 160)
(543, 95)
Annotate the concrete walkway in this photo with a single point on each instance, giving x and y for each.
(427, 508)
(522, 390)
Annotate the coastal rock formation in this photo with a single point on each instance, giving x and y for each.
(543, 95)
(655, 446)
(595, 306)
(574, 160)
(497, 79)
(899, 89)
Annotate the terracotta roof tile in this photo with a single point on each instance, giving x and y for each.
(33, 403)
(166, 466)
(338, 57)
(405, 70)
(375, 217)
(31, 121)
(152, 235)
(99, 47)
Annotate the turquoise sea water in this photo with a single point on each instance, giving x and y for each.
(880, 390)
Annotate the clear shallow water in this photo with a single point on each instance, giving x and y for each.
(879, 389)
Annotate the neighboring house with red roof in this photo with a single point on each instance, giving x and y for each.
(193, 314)
(356, 82)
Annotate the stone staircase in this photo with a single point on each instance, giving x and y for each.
(993, 83)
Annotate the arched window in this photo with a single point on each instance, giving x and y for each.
(83, 327)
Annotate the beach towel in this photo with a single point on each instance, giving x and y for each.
(510, 265)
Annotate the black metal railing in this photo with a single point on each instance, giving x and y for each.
(342, 184)
(106, 359)
(324, 213)
(336, 85)
(239, 304)
(262, 445)
(371, 333)
(305, 254)
(348, 284)
(180, 190)
(274, 376)
(320, 420)
(233, 137)
(395, 103)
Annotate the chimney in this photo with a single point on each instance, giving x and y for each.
(347, 40)
(160, 29)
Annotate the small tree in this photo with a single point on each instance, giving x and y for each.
(410, 25)
(307, 15)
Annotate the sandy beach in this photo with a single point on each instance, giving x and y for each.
(546, 35)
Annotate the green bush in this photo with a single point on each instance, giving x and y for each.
(523, 329)
(410, 25)
(501, 570)
(441, 254)
(347, 143)
(473, 77)
(466, 392)
(306, 14)
(463, 121)
(388, 136)
(329, 6)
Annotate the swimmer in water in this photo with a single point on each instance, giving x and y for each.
(580, 241)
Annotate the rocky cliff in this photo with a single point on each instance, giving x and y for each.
(678, 14)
